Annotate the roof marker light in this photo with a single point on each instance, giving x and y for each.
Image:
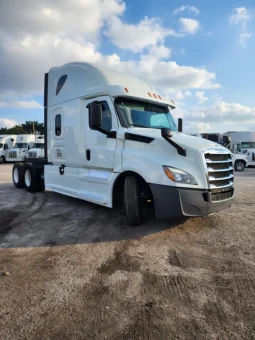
(159, 97)
(154, 95)
(149, 94)
(126, 89)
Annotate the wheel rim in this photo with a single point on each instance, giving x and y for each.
(240, 166)
(28, 178)
(16, 175)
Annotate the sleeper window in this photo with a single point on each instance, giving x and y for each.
(58, 125)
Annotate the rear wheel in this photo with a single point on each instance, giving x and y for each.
(30, 180)
(132, 201)
(239, 165)
(18, 175)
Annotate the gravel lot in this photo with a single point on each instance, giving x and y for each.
(77, 271)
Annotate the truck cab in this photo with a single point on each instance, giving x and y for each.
(37, 148)
(6, 143)
(111, 139)
(20, 149)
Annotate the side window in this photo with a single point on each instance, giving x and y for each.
(58, 125)
(60, 84)
(238, 147)
(106, 117)
(5, 146)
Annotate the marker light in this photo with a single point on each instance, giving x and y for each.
(126, 89)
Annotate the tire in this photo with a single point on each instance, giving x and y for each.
(30, 180)
(2, 159)
(239, 166)
(132, 201)
(18, 175)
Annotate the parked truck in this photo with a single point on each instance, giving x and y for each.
(6, 143)
(110, 138)
(242, 142)
(21, 147)
(37, 149)
(240, 161)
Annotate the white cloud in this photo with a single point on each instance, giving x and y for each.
(189, 26)
(186, 8)
(59, 35)
(203, 127)
(22, 104)
(240, 16)
(147, 32)
(243, 37)
(222, 112)
(7, 123)
(201, 97)
(182, 94)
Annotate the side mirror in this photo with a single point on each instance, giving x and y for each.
(95, 115)
(180, 124)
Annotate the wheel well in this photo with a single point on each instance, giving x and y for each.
(241, 161)
(118, 188)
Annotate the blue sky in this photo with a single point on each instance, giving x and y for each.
(199, 53)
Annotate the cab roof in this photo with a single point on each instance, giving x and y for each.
(80, 79)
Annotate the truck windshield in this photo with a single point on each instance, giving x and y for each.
(1, 145)
(143, 114)
(248, 145)
(37, 146)
(20, 145)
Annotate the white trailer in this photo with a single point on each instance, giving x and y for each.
(242, 142)
(20, 149)
(109, 137)
(6, 143)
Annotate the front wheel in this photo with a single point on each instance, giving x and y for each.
(2, 159)
(132, 201)
(239, 166)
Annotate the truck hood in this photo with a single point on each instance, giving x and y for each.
(186, 141)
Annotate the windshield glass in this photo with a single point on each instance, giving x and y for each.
(37, 146)
(248, 145)
(1, 145)
(20, 145)
(143, 114)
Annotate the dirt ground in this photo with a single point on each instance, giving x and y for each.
(77, 271)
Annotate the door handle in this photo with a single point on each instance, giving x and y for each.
(88, 154)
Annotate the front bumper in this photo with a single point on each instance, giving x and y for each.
(172, 202)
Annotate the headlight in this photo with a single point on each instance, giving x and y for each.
(179, 176)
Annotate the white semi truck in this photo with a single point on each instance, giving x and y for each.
(6, 143)
(242, 142)
(127, 148)
(37, 149)
(20, 149)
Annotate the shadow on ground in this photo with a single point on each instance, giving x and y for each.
(49, 219)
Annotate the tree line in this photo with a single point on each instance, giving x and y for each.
(27, 128)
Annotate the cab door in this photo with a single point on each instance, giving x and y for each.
(100, 146)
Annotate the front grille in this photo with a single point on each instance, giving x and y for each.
(221, 196)
(32, 154)
(219, 169)
(13, 154)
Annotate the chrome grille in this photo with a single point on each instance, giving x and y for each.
(220, 176)
(32, 154)
(12, 154)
